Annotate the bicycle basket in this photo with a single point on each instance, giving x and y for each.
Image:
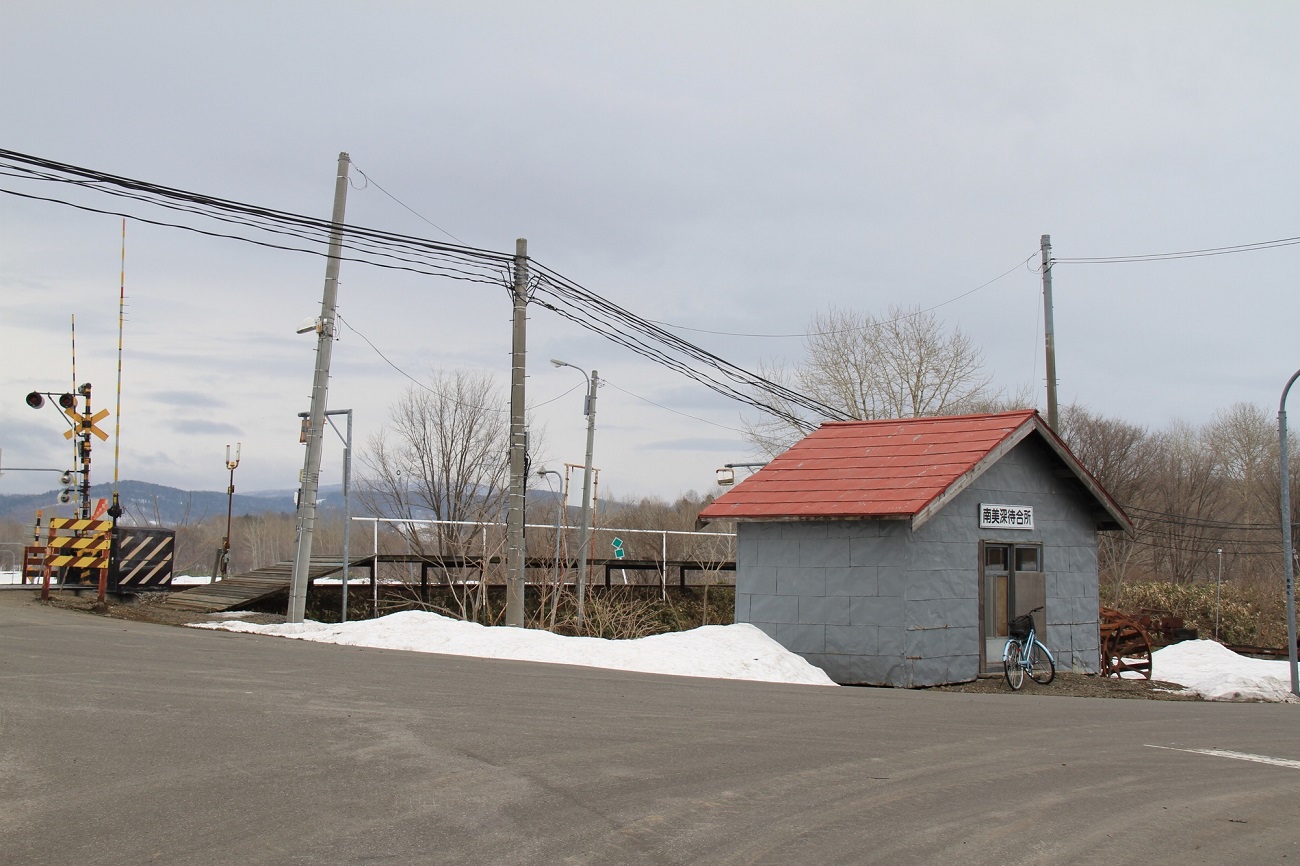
(1021, 626)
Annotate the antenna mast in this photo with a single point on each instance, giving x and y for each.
(115, 511)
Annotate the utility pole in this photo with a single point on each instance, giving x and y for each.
(310, 481)
(515, 553)
(1049, 331)
(584, 546)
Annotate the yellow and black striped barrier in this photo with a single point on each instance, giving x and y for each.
(87, 549)
(83, 552)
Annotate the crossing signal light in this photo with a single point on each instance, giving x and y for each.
(66, 478)
(65, 496)
(36, 400)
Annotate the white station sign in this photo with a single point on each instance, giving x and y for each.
(1006, 516)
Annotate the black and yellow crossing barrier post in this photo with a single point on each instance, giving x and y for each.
(84, 549)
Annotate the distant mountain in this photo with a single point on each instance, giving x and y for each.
(146, 504)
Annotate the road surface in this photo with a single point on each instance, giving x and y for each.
(125, 743)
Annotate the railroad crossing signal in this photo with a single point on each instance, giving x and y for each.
(36, 400)
(84, 424)
(619, 552)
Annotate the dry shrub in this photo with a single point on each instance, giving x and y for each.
(1242, 619)
(617, 614)
(624, 613)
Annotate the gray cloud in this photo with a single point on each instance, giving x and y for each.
(727, 167)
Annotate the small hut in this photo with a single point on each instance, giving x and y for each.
(896, 552)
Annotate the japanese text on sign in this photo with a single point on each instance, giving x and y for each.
(1006, 516)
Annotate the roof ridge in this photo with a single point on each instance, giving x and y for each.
(932, 419)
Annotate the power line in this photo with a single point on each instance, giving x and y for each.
(620, 325)
(1199, 522)
(869, 326)
(417, 382)
(667, 409)
(1155, 545)
(1182, 254)
(400, 252)
(427, 270)
(370, 180)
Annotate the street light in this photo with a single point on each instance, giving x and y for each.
(588, 409)
(1288, 565)
(230, 502)
(726, 476)
(559, 515)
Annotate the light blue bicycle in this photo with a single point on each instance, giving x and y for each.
(1025, 654)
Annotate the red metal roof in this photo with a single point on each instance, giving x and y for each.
(892, 468)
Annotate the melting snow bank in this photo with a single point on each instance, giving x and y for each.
(1217, 673)
(732, 652)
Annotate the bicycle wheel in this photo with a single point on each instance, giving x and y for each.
(1042, 669)
(1011, 665)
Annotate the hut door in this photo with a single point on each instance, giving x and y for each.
(1012, 582)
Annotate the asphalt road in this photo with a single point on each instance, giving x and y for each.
(128, 743)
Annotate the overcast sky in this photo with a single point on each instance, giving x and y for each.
(729, 167)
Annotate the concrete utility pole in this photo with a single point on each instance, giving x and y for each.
(584, 546)
(310, 481)
(515, 553)
(1049, 331)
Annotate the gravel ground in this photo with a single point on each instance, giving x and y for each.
(1080, 686)
(149, 609)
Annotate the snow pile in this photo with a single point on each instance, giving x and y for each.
(1217, 673)
(734, 652)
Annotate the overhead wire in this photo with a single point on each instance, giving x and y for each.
(1156, 545)
(370, 181)
(425, 271)
(869, 326)
(1180, 254)
(602, 316)
(1205, 522)
(409, 253)
(417, 382)
(670, 409)
(363, 245)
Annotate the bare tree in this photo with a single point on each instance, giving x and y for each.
(442, 456)
(1118, 454)
(1184, 497)
(904, 365)
(1243, 440)
(1121, 457)
(263, 539)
